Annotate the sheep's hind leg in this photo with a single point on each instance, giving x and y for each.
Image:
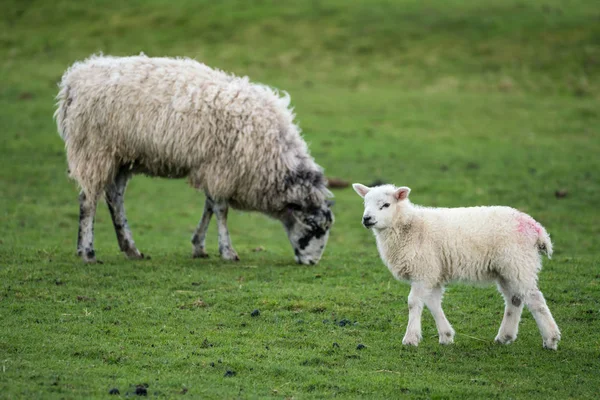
(199, 237)
(416, 299)
(537, 305)
(115, 193)
(434, 304)
(85, 236)
(512, 314)
(220, 208)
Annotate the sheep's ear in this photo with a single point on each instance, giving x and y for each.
(362, 190)
(402, 193)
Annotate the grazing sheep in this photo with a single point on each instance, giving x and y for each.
(175, 118)
(431, 246)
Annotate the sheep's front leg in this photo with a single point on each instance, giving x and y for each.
(199, 237)
(85, 236)
(115, 193)
(416, 300)
(220, 208)
(434, 304)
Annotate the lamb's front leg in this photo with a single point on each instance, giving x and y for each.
(220, 209)
(416, 300)
(434, 303)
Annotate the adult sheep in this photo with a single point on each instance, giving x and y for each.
(174, 118)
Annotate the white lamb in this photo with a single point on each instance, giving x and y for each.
(431, 246)
(235, 140)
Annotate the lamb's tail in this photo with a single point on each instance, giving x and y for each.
(544, 244)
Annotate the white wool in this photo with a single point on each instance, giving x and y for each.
(234, 139)
(432, 246)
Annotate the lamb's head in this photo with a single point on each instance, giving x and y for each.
(308, 230)
(382, 203)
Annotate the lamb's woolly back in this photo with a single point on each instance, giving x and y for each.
(177, 117)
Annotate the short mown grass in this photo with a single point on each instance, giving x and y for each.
(468, 103)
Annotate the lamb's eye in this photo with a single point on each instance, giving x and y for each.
(386, 205)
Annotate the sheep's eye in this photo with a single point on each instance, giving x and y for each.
(386, 205)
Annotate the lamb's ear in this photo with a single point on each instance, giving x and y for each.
(402, 193)
(362, 190)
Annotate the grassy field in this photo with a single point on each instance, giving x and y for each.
(468, 103)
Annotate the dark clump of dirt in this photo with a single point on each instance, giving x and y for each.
(85, 298)
(344, 322)
(26, 96)
(206, 344)
(336, 345)
(229, 373)
(212, 364)
(361, 346)
(255, 313)
(114, 391)
(58, 282)
(561, 194)
(337, 183)
(141, 390)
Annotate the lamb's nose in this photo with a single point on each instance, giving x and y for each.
(366, 219)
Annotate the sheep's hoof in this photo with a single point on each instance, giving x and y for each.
(137, 256)
(230, 257)
(504, 339)
(200, 254)
(411, 339)
(229, 254)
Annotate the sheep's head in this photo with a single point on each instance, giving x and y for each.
(381, 204)
(308, 230)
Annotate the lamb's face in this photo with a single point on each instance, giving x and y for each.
(308, 231)
(381, 204)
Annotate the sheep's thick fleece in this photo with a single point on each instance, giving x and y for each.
(178, 117)
(233, 139)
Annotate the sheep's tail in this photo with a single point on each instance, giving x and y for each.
(544, 244)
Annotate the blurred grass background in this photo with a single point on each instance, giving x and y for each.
(468, 103)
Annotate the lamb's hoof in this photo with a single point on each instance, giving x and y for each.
(447, 338)
(552, 343)
(504, 339)
(89, 256)
(411, 339)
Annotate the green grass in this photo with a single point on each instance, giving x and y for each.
(468, 103)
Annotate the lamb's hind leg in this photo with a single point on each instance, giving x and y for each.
(512, 314)
(199, 237)
(115, 199)
(537, 305)
(85, 236)
(220, 208)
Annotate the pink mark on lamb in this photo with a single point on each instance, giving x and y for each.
(528, 225)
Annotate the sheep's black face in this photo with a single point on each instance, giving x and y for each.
(308, 231)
